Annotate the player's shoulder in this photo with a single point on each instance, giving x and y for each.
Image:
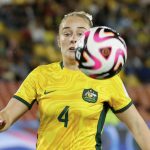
(116, 78)
(116, 82)
(113, 80)
(48, 67)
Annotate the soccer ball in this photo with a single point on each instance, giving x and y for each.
(101, 52)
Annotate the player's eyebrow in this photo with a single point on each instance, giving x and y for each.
(77, 27)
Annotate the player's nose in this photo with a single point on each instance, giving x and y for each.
(74, 38)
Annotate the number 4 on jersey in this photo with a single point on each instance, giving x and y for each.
(63, 117)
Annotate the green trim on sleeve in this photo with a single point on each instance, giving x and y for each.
(122, 109)
(24, 101)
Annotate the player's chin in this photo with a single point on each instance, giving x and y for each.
(71, 54)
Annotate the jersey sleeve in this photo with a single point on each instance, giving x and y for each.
(27, 92)
(120, 100)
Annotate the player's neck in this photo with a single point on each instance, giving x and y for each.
(71, 65)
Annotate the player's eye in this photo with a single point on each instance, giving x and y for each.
(80, 33)
(67, 34)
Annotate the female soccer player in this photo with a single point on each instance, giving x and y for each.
(73, 106)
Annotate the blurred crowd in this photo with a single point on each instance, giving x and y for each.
(28, 33)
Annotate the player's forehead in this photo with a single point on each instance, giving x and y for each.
(74, 22)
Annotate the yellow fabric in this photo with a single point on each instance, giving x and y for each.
(60, 91)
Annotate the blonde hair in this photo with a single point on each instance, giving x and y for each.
(81, 14)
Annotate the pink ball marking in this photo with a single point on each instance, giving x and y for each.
(97, 63)
(87, 33)
(97, 38)
(119, 52)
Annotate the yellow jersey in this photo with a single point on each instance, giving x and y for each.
(72, 106)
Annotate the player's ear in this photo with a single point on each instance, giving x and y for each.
(58, 41)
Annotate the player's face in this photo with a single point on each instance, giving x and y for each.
(71, 30)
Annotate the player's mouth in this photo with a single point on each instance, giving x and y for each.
(72, 49)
